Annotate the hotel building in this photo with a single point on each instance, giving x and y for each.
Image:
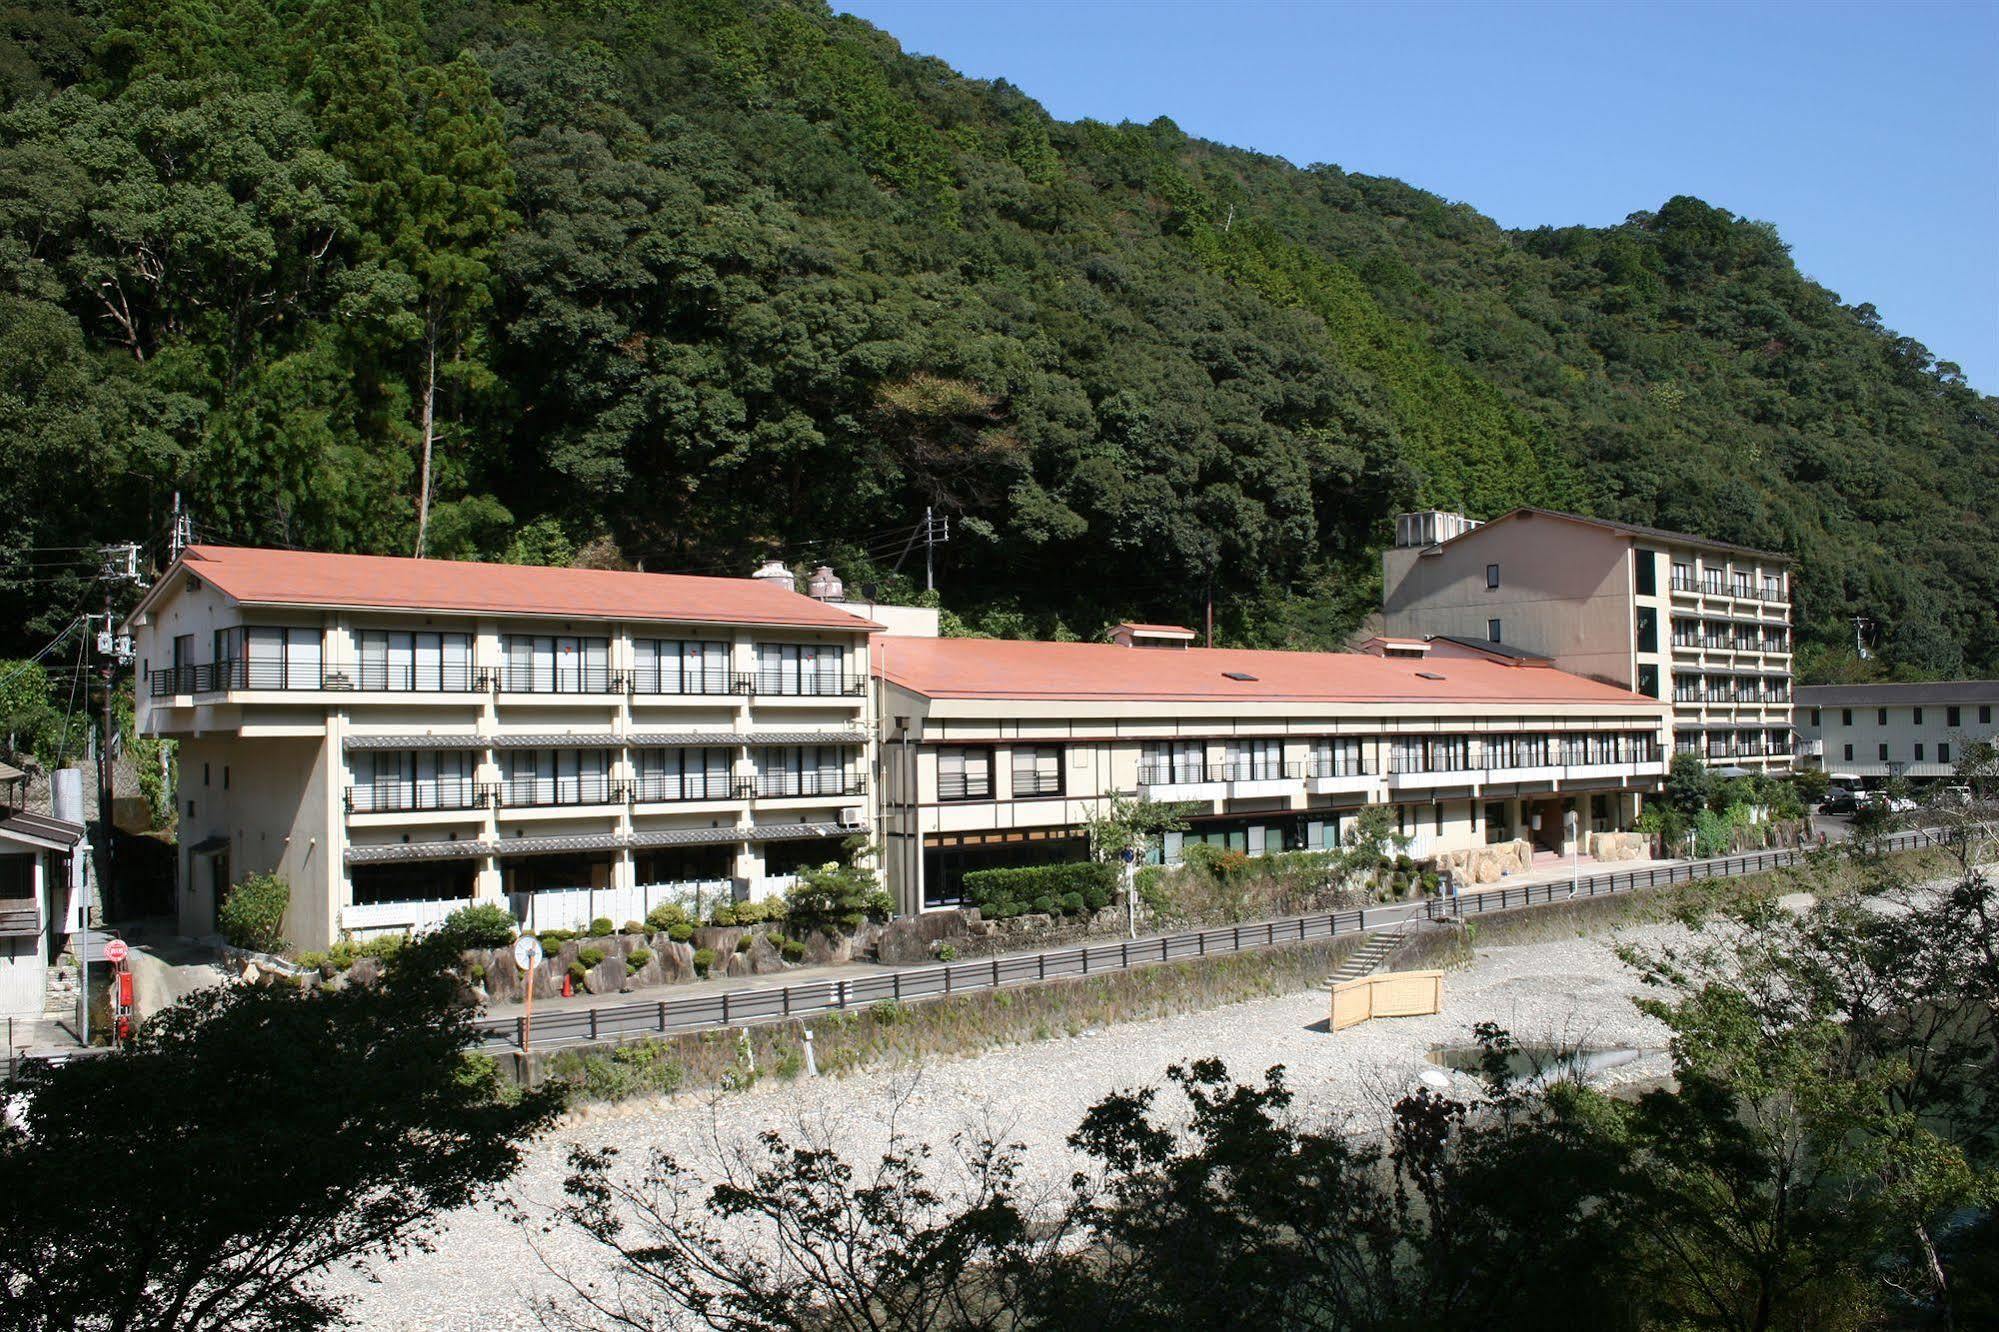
(1702, 623)
(397, 738)
(999, 753)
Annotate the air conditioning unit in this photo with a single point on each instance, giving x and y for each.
(853, 816)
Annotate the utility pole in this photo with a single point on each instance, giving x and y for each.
(120, 564)
(932, 540)
(182, 534)
(1860, 622)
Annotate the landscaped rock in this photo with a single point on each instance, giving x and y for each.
(822, 949)
(764, 957)
(608, 976)
(915, 938)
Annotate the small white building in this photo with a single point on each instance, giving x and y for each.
(35, 853)
(1869, 733)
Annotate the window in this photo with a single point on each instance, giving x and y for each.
(1951, 716)
(413, 780)
(1683, 576)
(1884, 752)
(1439, 807)
(1849, 753)
(204, 774)
(266, 657)
(1037, 770)
(964, 773)
(682, 774)
(1984, 714)
(556, 777)
(800, 668)
(1495, 822)
(406, 660)
(1337, 757)
(1919, 751)
(1943, 753)
(1173, 761)
(1491, 576)
(1648, 629)
(1880, 716)
(1918, 718)
(556, 664)
(665, 666)
(1256, 760)
(1846, 716)
(1647, 572)
(1770, 588)
(1492, 631)
(1815, 717)
(801, 770)
(1648, 681)
(225, 776)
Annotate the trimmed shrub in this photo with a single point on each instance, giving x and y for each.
(665, 916)
(680, 931)
(252, 914)
(724, 915)
(601, 928)
(704, 961)
(792, 950)
(632, 927)
(636, 960)
(590, 958)
(554, 939)
(947, 952)
(577, 972)
(482, 925)
(743, 944)
(1055, 889)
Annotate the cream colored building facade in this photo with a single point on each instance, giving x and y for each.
(397, 738)
(1000, 753)
(1703, 624)
(1870, 733)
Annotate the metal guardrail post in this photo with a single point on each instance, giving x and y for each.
(725, 1008)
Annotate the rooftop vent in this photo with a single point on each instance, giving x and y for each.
(1430, 527)
(1152, 636)
(1428, 675)
(825, 585)
(1239, 675)
(774, 573)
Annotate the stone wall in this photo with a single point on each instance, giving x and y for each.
(1618, 845)
(1486, 864)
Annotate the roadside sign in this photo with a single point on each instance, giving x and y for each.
(115, 952)
(527, 952)
(527, 955)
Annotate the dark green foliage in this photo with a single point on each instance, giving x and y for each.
(210, 1177)
(252, 913)
(704, 961)
(1055, 889)
(601, 928)
(481, 925)
(686, 281)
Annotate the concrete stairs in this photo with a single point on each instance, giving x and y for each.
(1365, 960)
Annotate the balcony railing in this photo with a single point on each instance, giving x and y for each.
(415, 678)
(1182, 774)
(1402, 765)
(804, 684)
(1252, 770)
(962, 788)
(649, 680)
(1037, 784)
(415, 797)
(664, 787)
(556, 680)
(778, 785)
(1332, 766)
(215, 677)
(541, 792)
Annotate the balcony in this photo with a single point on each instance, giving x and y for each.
(679, 788)
(1803, 748)
(653, 682)
(416, 797)
(1183, 781)
(805, 684)
(553, 679)
(217, 677)
(1337, 776)
(1249, 780)
(1406, 771)
(551, 792)
(801, 785)
(409, 678)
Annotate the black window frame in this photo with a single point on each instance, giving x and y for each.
(1491, 577)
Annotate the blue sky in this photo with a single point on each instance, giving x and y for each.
(1868, 133)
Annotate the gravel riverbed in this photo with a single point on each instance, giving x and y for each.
(483, 1272)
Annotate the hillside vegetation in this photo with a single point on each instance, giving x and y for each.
(681, 283)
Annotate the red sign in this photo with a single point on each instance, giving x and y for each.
(124, 989)
(115, 951)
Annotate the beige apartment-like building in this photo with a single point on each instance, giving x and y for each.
(1704, 624)
(997, 753)
(397, 737)
(1869, 733)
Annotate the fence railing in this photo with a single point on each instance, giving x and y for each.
(735, 1008)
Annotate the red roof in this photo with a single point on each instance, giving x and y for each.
(381, 582)
(1005, 668)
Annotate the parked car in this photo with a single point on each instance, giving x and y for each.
(1839, 800)
(1953, 795)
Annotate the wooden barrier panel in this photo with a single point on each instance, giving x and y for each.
(1391, 994)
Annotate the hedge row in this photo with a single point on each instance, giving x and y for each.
(1055, 890)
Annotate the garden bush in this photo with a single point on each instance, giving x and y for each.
(632, 927)
(590, 958)
(636, 960)
(252, 914)
(680, 931)
(792, 950)
(665, 916)
(743, 944)
(1088, 885)
(724, 915)
(482, 925)
(601, 928)
(836, 898)
(704, 961)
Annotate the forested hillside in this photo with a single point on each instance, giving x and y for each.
(685, 282)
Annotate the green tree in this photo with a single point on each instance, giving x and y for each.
(213, 1173)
